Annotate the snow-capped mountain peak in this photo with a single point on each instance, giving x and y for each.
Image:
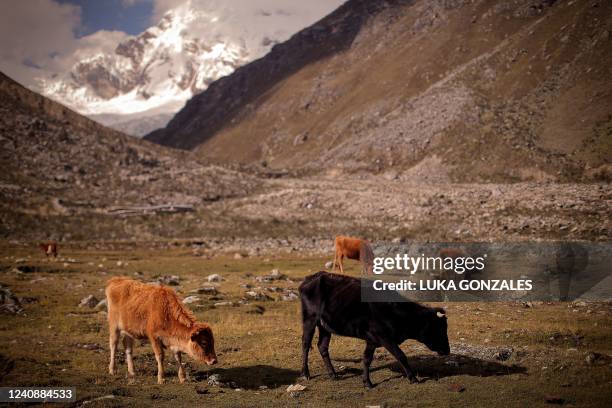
(139, 82)
(157, 70)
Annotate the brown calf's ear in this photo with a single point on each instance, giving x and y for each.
(198, 332)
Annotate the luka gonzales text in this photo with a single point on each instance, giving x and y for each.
(436, 284)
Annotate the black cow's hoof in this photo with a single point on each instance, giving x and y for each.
(368, 384)
(334, 376)
(304, 377)
(413, 379)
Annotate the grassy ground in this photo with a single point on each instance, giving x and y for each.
(56, 343)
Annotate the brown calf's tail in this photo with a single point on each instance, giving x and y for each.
(366, 257)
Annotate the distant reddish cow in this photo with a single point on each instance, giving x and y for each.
(353, 248)
(49, 248)
(138, 310)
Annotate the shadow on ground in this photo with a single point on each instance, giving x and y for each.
(251, 377)
(433, 367)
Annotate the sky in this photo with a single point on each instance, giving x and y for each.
(43, 38)
(131, 17)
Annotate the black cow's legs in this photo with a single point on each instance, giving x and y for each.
(368, 355)
(323, 344)
(401, 357)
(309, 325)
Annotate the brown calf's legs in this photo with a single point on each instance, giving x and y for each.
(113, 342)
(181, 370)
(159, 356)
(128, 343)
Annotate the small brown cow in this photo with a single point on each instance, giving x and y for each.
(139, 310)
(49, 248)
(353, 248)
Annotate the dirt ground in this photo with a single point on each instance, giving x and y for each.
(503, 354)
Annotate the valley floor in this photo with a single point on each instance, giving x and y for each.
(502, 354)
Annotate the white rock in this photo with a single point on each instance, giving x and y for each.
(89, 301)
(191, 299)
(296, 387)
(215, 277)
(101, 305)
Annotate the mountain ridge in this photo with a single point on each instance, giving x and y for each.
(421, 90)
(224, 96)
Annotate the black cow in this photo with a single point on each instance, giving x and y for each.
(333, 304)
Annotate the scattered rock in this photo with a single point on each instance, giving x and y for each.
(215, 277)
(503, 355)
(329, 265)
(296, 388)
(9, 303)
(191, 299)
(89, 301)
(218, 304)
(89, 346)
(238, 255)
(105, 397)
(201, 390)
(170, 280)
(251, 294)
(553, 399)
(290, 296)
(102, 305)
(275, 275)
(257, 309)
(214, 380)
(207, 290)
(594, 358)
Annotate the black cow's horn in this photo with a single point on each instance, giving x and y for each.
(440, 314)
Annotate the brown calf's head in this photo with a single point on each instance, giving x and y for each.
(202, 344)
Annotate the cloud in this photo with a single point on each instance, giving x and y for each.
(250, 22)
(36, 32)
(37, 39)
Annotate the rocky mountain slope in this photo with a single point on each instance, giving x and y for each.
(60, 168)
(421, 90)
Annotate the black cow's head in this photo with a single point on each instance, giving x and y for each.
(433, 334)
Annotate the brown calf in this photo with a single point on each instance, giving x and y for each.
(353, 248)
(138, 310)
(49, 248)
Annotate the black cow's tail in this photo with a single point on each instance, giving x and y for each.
(310, 295)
